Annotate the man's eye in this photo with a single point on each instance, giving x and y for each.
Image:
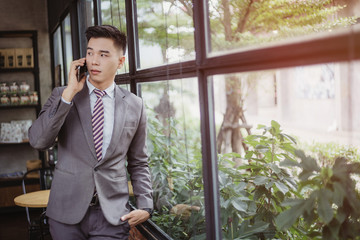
(89, 53)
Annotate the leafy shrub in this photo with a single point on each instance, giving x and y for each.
(278, 193)
(331, 206)
(251, 195)
(326, 153)
(175, 165)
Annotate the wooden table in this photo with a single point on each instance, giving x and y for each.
(38, 199)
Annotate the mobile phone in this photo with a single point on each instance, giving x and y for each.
(81, 71)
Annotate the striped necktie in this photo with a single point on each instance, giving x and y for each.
(98, 123)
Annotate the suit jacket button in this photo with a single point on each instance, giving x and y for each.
(95, 169)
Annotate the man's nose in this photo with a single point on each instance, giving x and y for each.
(95, 60)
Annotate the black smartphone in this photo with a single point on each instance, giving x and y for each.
(81, 72)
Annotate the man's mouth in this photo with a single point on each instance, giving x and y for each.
(94, 71)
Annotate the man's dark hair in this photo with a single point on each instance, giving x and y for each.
(107, 31)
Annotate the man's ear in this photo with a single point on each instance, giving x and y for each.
(121, 61)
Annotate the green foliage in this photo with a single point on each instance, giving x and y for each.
(326, 153)
(321, 202)
(160, 163)
(175, 166)
(261, 199)
(170, 224)
(331, 201)
(253, 193)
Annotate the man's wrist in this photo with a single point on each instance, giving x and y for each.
(63, 100)
(68, 94)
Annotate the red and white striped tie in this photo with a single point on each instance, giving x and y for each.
(98, 123)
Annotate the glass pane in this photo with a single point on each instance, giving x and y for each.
(174, 149)
(113, 13)
(235, 24)
(261, 119)
(58, 59)
(67, 44)
(89, 12)
(166, 32)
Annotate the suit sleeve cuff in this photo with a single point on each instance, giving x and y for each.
(63, 100)
(149, 210)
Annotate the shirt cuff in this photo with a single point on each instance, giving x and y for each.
(62, 99)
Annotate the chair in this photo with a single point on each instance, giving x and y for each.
(38, 228)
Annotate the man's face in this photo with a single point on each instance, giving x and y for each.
(102, 60)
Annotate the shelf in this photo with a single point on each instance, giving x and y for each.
(17, 153)
(18, 106)
(18, 34)
(16, 70)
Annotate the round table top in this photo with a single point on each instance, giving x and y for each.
(36, 199)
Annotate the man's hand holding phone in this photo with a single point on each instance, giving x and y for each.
(76, 78)
(81, 72)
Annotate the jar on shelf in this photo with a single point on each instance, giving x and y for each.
(5, 100)
(4, 89)
(24, 99)
(14, 88)
(34, 98)
(24, 87)
(14, 99)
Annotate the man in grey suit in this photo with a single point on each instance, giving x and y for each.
(89, 193)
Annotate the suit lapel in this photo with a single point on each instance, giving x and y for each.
(119, 121)
(82, 103)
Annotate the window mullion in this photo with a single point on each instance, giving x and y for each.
(208, 139)
(133, 53)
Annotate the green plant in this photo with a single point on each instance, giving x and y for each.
(272, 195)
(236, 203)
(270, 181)
(331, 206)
(326, 153)
(277, 197)
(160, 162)
(170, 224)
(251, 195)
(175, 165)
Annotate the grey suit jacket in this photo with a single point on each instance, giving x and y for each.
(78, 172)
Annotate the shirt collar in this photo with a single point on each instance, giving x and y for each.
(109, 91)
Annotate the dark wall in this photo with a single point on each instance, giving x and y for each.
(57, 10)
(24, 15)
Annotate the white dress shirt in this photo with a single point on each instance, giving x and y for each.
(109, 109)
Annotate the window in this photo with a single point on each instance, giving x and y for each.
(210, 72)
(66, 26)
(113, 13)
(263, 73)
(238, 24)
(58, 58)
(175, 156)
(309, 102)
(165, 32)
(302, 107)
(63, 52)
